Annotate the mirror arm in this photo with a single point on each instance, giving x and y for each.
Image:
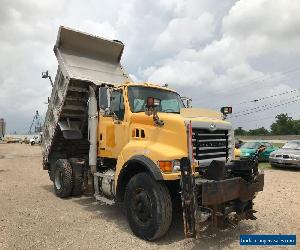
(156, 119)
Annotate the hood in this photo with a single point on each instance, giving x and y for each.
(200, 118)
(287, 151)
(205, 118)
(247, 150)
(197, 112)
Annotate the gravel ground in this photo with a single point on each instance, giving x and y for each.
(32, 217)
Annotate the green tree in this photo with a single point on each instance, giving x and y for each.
(240, 131)
(258, 131)
(284, 125)
(297, 127)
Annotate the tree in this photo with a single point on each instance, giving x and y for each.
(297, 127)
(284, 125)
(258, 131)
(240, 131)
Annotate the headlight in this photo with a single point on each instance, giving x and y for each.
(246, 154)
(295, 157)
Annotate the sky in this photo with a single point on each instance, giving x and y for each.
(219, 53)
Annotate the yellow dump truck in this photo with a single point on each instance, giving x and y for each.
(140, 144)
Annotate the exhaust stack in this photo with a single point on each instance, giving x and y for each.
(92, 126)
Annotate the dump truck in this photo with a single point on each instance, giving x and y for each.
(140, 145)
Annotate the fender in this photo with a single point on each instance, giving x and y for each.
(149, 164)
(136, 164)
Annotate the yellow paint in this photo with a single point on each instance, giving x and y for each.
(165, 143)
(237, 153)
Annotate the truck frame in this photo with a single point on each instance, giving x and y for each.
(138, 144)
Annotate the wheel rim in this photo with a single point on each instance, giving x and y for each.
(142, 208)
(58, 179)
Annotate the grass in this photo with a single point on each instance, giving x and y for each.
(278, 144)
(264, 165)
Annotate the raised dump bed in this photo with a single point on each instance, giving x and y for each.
(83, 60)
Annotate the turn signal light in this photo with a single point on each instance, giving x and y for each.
(166, 166)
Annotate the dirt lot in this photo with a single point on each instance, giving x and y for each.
(31, 216)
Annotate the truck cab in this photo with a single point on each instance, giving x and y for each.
(127, 131)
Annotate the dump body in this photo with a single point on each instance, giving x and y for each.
(83, 60)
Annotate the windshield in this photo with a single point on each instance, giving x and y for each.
(170, 101)
(292, 145)
(251, 145)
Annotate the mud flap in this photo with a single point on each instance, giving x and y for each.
(188, 198)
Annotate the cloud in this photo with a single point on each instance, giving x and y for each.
(185, 32)
(216, 52)
(251, 29)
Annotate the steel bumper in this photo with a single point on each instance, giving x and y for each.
(284, 162)
(218, 192)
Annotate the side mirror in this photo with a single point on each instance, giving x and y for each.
(104, 99)
(152, 103)
(261, 148)
(226, 111)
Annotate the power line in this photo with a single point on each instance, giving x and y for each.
(267, 108)
(266, 105)
(271, 96)
(261, 119)
(260, 80)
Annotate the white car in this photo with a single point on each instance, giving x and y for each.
(37, 139)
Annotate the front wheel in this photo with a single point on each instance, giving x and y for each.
(148, 207)
(32, 143)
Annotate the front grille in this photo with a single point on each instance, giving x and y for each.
(209, 145)
(285, 156)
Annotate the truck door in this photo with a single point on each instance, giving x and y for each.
(113, 130)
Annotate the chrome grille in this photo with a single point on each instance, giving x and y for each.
(209, 145)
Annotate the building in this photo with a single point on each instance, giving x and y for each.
(2, 127)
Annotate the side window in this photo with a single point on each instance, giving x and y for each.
(117, 104)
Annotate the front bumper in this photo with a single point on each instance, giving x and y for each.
(281, 162)
(218, 192)
(220, 197)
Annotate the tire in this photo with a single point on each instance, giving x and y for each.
(77, 179)
(148, 207)
(63, 182)
(32, 143)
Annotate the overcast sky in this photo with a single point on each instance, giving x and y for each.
(216, 52)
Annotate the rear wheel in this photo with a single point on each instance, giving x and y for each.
(63, 178)
(148, 207)
(77, 179)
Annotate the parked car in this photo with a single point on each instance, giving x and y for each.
(287, 156)
(248, 149)
(37, 139)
